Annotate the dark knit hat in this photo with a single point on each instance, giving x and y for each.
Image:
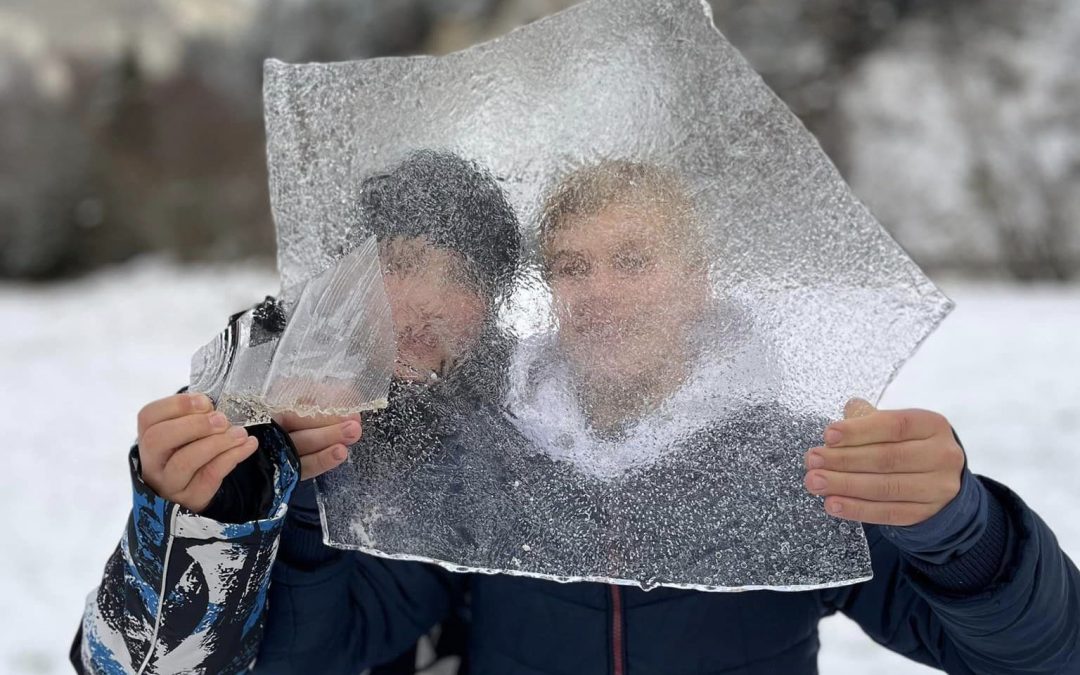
(453, 203)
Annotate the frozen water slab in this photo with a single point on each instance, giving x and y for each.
(628, 292)
(326, 346)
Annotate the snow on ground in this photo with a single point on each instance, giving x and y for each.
(78, 360)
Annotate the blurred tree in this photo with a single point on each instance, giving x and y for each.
(805, 50)
(964, 136)
(957, 120)
(43, 165)
(1020, 181)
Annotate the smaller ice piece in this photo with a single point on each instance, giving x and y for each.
(326, 346)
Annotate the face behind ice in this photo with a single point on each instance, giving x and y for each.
(628, 279)
(437, 311)
(448, 247)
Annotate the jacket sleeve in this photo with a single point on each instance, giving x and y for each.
(334, 611)
(184, 592)
(1009, 605)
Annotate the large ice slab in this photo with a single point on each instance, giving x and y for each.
(628, 289)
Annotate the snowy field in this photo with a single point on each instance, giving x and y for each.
(78, 360)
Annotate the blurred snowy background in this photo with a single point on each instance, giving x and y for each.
(134, 218)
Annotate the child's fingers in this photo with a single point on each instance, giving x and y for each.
(924, 488)
(206, 481)
(177, 405)
(906, 457)
(164, 437)
(320, 462)
(885, 426)
(900, 514)
(308, 441)
(182, 465)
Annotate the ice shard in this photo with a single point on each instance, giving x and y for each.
(628, 291)
(325, 346)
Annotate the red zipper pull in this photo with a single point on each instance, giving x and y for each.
(617, 639)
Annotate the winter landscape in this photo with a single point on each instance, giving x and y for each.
(134, 219)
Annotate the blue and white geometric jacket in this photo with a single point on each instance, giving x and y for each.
(182, 592)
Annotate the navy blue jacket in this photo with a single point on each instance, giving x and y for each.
(187, 593)
(341, 610)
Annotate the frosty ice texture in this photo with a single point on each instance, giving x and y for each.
(325, 346)
(626, 393)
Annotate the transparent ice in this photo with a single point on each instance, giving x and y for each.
(325, 345)
(628, 291)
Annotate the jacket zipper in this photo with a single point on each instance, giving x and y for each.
(618, 640)
(174, 510)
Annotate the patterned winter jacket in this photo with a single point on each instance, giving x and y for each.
(185, 593)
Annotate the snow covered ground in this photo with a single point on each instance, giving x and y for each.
(77, 361)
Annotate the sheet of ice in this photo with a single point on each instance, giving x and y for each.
(628, 291)
(326, 345)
